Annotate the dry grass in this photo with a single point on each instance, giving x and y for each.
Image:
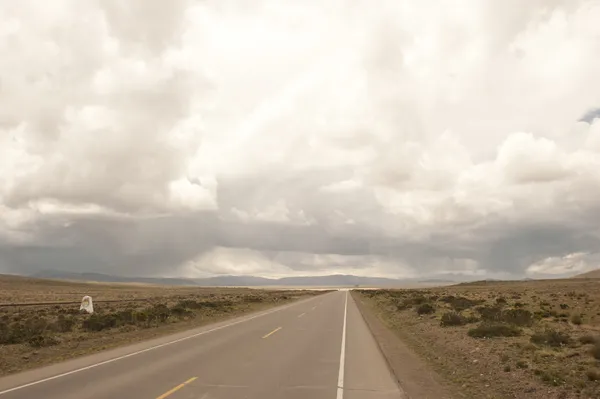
(36, 335)
(536, 339)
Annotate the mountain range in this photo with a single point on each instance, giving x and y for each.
(336, 280)
(590, 274)
(243, 281)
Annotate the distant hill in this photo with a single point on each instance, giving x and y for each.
(235, 281)
(591, 274)
(106, 278)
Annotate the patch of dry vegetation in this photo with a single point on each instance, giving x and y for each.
(536, 339)
(31, 336)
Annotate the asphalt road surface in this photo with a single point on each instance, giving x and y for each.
(319, 348)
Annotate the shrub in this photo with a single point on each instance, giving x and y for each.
(98, 322)
(490, 330)
(425, 308)
(453, 319)
(596, 350)
(501, 301)
(551, 337)
(460, 303)
(402, 305)
(158, 313)
(507, 368)
(489, 313)
(522, 364)
(180, 311)
(63, 324)
(548, 377)
(589, 339)
(189, 304)
(40, 341)
(518, 317)
(576, 319)
(593, 375)
(564, 306)
(545, 313)
(23, 331)
(4, 333)
(248, 298)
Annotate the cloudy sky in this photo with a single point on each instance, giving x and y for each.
(281, 137)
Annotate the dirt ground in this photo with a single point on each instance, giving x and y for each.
(35, 335)
(535, 339)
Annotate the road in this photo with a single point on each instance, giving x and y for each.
(318, 348)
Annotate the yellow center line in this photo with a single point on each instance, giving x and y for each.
(191, 380)
(177, 388)
(299, 316)
(272, 332)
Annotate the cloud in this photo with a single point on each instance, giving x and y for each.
(578, 262)
(277, 137)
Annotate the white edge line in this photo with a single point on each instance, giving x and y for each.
(142, 351)
(340, 384)
(299, 316)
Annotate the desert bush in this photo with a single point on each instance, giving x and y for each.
(596, 351)
(402, 304)
(576, 319)
(548, 377)
(551, 337)
(33, 331)
(460, 303)
(125, 317)
(593, 374)
(453, 319)
(501, 301)
(518, 317)
(545, 313)
(564, 306)
(522, 364)
(24, 330)
(418, 300)
(40, 341)
(98, 322)
(226, 303)
(589, 339)
(490, 330)
(180, 311)
(189, 304)
(425, 308)
(247, 298)
(408, 303)
(4, 333)
(158, 313)
(489, 313)
(63, 324)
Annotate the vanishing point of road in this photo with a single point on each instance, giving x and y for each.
(317, 348)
